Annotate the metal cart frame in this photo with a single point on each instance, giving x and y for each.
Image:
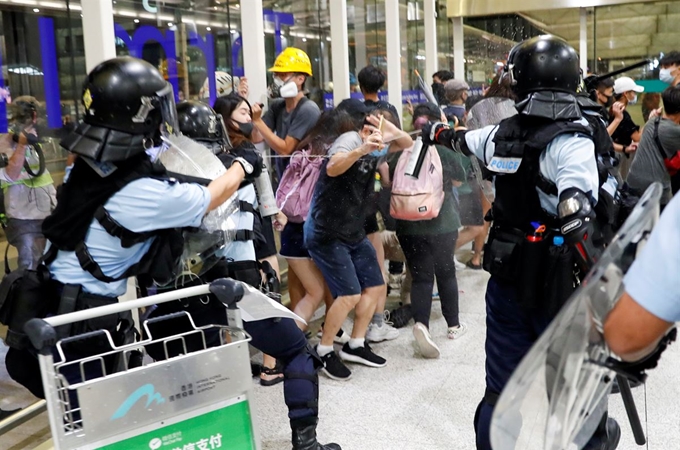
(195, 401)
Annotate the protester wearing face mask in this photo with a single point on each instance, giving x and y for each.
(627, 134)
(291, 115)
(604, 95)
(670, 68)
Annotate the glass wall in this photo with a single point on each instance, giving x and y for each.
(618, 36)
(304, 24)
(42, 55)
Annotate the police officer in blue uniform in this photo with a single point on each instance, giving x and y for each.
(650, 305)
(280, 338)
(544, 224)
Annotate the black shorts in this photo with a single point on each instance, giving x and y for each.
(268, 247)
(292, 242)
(470, 207)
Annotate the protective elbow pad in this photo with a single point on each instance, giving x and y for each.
(577, 219)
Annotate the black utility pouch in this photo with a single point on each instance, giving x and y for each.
(532, 275)
(559, 281)
(502, 254)
(24, 295)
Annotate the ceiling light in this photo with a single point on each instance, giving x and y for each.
(170, 24)
(136, 21)
(304, 39)
(208, 28)
(36, 10)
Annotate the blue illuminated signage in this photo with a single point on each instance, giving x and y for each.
(135, 44)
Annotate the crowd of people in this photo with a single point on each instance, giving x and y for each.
(561, 162)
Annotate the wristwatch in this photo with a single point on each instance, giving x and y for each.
(247, 167)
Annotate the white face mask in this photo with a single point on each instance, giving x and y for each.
(279, 82)
(666, 76)
(288, 90)
(633, 101)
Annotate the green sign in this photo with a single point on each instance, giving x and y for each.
(227, 428)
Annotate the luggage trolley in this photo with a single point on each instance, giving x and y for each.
(195, 401)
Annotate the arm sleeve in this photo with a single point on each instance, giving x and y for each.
(345, 143)
(576, 166)
(652, 280)
(480, 143)
(305, 119)
(148, 204)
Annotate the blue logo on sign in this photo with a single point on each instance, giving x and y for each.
(147, 391)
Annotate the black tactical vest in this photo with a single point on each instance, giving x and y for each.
(519, 143)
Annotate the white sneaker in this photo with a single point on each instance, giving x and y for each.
(459, 265)
(456, 332)
(386, 332)
(424, 342)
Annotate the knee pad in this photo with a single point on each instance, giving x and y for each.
(301, 384)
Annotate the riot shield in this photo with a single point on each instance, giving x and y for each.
(204, 246)
(558, 394)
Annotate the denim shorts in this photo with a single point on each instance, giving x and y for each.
(347, 268)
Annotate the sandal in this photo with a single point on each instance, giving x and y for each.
(276, 372)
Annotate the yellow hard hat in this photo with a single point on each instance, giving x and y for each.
(292, 60)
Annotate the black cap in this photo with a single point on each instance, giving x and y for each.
(670, 59)
(355, 108)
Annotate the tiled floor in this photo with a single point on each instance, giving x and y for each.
(417, 404)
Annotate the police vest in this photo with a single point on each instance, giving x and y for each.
(519, 143)
(159, 264)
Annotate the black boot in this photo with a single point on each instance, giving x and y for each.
(304, 437)
(607, 435)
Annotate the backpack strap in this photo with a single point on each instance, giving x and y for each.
(657, 141)
(293, 114)
(127, 238)
(244, 206)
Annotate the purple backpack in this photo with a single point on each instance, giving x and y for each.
(296, 188)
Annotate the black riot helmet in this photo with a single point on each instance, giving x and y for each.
(200, 122)
(128, 105)
(130, 95)
(543, 63)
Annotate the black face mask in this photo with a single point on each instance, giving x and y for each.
(245, 128)
(610, 101)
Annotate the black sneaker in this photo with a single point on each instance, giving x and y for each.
(401, 316)
(362, 355)
(334, 368)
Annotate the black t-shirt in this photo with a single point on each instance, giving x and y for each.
(622, 134)
(339, 204)
(371, 105)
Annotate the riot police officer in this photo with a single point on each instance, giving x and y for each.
(119, 215)
(543, 215)
(282, 338)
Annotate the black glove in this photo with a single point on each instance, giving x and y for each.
(250, 160)
(432, 131)
(636, 370)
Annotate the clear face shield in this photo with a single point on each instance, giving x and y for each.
(205, 245)
(170, 123)
(557, 396)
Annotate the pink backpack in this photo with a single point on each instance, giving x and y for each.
(296, 188)
(418, 198)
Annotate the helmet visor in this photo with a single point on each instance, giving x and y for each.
(170, 122)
